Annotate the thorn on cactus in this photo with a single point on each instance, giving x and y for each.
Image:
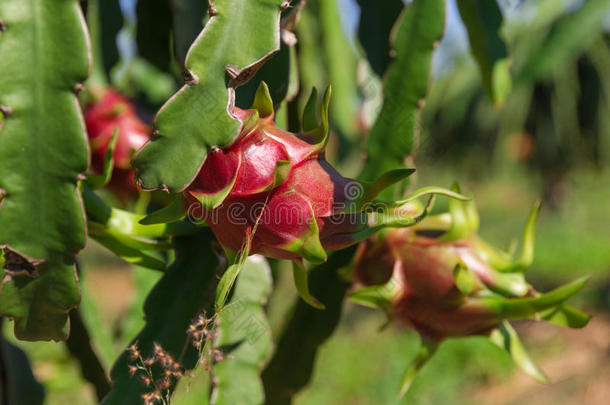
(211, 9)
(189, 78)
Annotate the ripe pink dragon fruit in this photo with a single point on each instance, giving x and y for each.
(276, 188)
(113, 111)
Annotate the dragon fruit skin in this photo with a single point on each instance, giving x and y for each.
(451, 283)
(292, 214)
(429, 300)
(114, 111)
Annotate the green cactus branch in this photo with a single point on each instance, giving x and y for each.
(239, 36)
(405, 88)
(290, 370)
(243, 325)
(43, 152)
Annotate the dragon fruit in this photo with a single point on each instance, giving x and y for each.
(442, 280)
(276, 189)
(111, 112)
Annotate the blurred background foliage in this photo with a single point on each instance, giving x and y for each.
(550, 138)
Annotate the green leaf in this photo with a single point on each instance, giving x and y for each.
(565, 315)
(377, 18)
(388, 216)
(104, 19)
(319, 132)
(403, 213)
(153, 32)
(341, 65)
(174, 211)
(529, 237)
(483, 21)
(464, 218)
(465, 280)
(128, 223)
(429, 190)
(262, 101)
(308, 244)
(128, 253)
(187, 287)
(425, 352)
(392, 136)
(187, 24)
(301, 281)
(102, 180)
(230, 275)
(378, 296)
(526, 307)
(310, 112)
(503, 261)
(290, 370)
(506, 338)
(513, 284)
(236, 41)
(43, 153)
(311, 72)
(243, 323)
